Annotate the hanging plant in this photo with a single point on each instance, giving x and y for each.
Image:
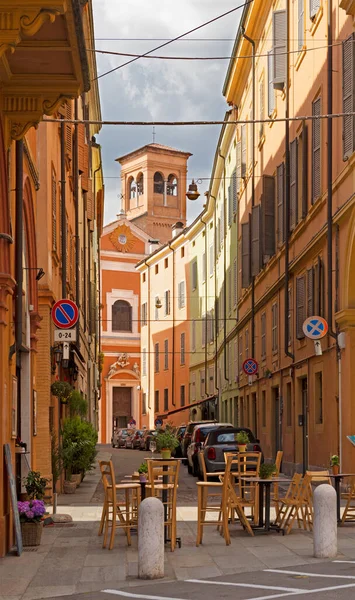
(62, 390)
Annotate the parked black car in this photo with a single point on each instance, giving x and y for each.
(219, 441)
(199, 435)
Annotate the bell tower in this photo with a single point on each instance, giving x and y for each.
(153, 180)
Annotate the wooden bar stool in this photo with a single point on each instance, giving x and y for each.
(349, 510)
(163, 478)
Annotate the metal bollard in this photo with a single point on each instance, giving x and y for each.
(151, 539)
(325, 539)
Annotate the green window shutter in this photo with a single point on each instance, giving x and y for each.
(268, 217)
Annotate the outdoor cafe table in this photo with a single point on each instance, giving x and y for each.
(337, 481)
(265, 526)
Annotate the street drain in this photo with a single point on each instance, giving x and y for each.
(30, 549)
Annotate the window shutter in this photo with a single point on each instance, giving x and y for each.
(211, 259)
(293, 183)
(244, 151)
(348, 96)
(300, 305)
(234, 191)
(54, 211)
(182, 349)
(256, 240)
(304, 170)
(235, 282)
(314, 6)
(310, 294)
(300, 24)
(167, 302)
(144, 362)
(239, 165)
(245, 254)
(204, 266)
(270, 84)
(156, 358)
(261, 106)
(316, 150)
(280, 204)
(279, 45)
(166, 354)
(230, 206)
(194, 275)
(268, 217)
(68, 128)
(318, 288)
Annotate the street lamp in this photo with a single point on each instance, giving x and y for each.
(193, 193)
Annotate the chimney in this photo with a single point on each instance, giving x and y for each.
(177, 229)
(153, 245)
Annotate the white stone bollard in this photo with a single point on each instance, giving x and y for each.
(325, 539)
(151, 539)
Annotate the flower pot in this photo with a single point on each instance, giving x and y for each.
(69, 487)
(31, 533)
(142, 478)
(76, 478)
(335, 469)
(165, 453)
(242, 447)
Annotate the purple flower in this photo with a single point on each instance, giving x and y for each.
(30, 514)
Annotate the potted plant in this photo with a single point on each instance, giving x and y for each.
(143, 471)
(62, 390)
(335, 464)
(67, 455)
(31, 515)
(35, 485)
(242, 440)
(267, 470)
(166, 443)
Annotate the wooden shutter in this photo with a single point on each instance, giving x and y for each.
(182, 348)
(270, 84)
(293, 183)
(316, 150)
(319, 288)
(234, 191)
(304, 170)
(230, 206)
(261, 106)
(235, 282)
(157, 358)
(194, 275)
(279, 45)
(280, 174)
(300, 305)
(246, 254)
(166, 354)
(54, 211)
(314, 6)
(68, 128)
(244, 151)
(90, 205)
(81, 147)
(310, 292)
(348, 96)
(239, 165)
(300, 15)
(268, 217)
(256, 262)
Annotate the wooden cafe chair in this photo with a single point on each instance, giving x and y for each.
(163, 479)
(275, 491)
(349, 510)
(247, 491)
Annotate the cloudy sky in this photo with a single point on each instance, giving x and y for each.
(152, 89)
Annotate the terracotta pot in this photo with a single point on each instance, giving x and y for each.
(31, 533)
(77, 478)
(335, 469)
(69, 487)
(165, 453)
(242, 447)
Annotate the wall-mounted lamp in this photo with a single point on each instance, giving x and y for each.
(73, 371)
(158, 303)
(40, 271)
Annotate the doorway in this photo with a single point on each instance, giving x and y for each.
(121, 406)
(302, 424)
(254, 420)
(275, 422)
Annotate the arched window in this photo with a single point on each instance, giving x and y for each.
(140, 184)
(172, 186)
(121, 316)
(158, 183)
(132, 188)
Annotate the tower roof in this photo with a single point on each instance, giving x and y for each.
(156, 148)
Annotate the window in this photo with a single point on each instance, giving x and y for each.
(121, 316)
(166, 263)
(246, 343)
(140, 186)
(158, 183)
(319, 398)
(240, 354)
(289, 317)
(166, 399)
(246, 274)
(193, 336)
(316, 150)
(300, 305)
(172, 186)
(263, 335)
(182, 252)
(132, 188)
(268, 217)
(144, 362)
(243, 139)
(54, 211)
(261, 108)
(144, 313)
(181, 294)
(144, 403)
(156, 269)
(300, 24)
(256, 250)
(210, 327)
(288, 405)
(211, 380)
(279, 47)
(182, 395)
(204, 267)
(193, 386)
(310, 292)
(211, 259)
(280, 176)
(203, 322)
(194, 275)
(263, 408)
(238, 172)
(166, 354)
(274, 327)
(234, 191)
(348, 50)
(314, 6)
(156, 401)
(235, 353)
(167, 302)
(235, 282)
(182, 349)
(202, 382)
(271, 104)
(293, 183)
(156, 358)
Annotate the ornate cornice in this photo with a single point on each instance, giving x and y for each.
(345, 318)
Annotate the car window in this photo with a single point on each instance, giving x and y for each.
(224, 438)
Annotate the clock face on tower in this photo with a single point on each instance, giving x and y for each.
(122, 238)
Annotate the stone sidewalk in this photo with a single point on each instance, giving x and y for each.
(71, 559)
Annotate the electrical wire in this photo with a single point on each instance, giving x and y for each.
(229, 12)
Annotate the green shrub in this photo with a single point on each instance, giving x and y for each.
(78, 405)
(62, 390)
(35, 485)
(166, 440)
(267, 470)
(79, 439)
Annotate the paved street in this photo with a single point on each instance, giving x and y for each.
(71, 563)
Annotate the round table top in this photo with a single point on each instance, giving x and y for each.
(270, 480)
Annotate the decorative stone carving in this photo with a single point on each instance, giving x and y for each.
(121, 362)
(136, 369)
(349, 7)
(30, 25)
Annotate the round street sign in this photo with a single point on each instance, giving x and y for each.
(158, 422)
(315, 328)
(132, 423)
(250, 366)
(65, 314)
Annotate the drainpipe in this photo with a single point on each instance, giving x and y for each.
(76, 203)
(206, 329)
(173, 336)
(63, 210)
(252, 42)
(148, 338)
(287, 190)
(19, 274)
(215, 295)
(98, 262)
(224, 270)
